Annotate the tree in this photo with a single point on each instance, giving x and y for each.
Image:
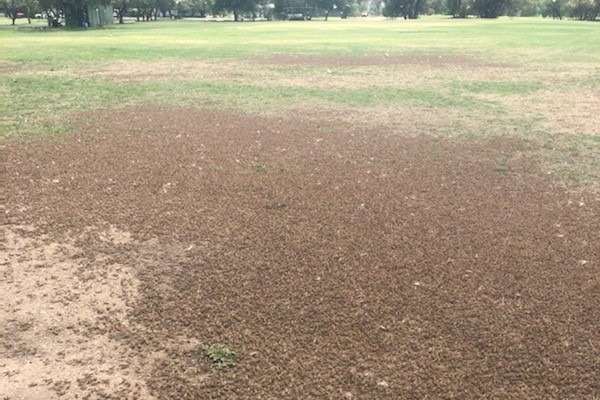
(14, 9)
(583, 10)
(327, 6)
(53, 9)
(121, 7)
(415, 9)
(512, 8)
(144, 9)
(531, 8)
(376, 6)
(235, 6)
(183, 8)
(554, 9)
(437, 7)
(394, 9)
(403, 8)
(459, 8)
(193, 8)
(165, 7)
(489, 8)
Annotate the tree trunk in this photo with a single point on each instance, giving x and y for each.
(408, 11)
(415, 10)
(326, 15)
(13, 17)
(236, 15)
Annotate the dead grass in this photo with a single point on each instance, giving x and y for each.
(308, 71)
(397, 61)
(8, 67)
(565, 112)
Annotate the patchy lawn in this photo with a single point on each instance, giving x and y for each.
(337, 261)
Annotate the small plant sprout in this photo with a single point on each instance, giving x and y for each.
(221, 356)
(259, 167)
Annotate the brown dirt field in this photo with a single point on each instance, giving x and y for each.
(338, 260)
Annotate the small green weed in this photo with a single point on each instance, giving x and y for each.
(276, 206)
(501, 164)
(221, 356)
(259, 167)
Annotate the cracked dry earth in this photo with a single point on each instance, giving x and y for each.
(339, 262)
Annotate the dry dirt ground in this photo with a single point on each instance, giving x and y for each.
(338, 261)
(340, 256)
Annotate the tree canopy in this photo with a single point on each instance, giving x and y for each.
(576, 9)
(235, 6)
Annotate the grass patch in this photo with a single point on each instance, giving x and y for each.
(502, 88)
(259, 166)
(34, 102)
(504, 38)
(220, 356)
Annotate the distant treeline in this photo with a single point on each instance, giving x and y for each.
(148, 10)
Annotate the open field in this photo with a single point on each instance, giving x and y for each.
(362, 209)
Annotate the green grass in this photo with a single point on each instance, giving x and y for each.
(523, 72)
(503, 88)
(568, 41)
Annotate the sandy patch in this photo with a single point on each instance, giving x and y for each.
(56, 309)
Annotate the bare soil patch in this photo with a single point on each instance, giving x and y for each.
(143, 72)
(57, 309)
(7, 67)
(340, 261)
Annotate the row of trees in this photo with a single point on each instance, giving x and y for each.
(266, 8)
(149, 9)
(404, 8)
(577, 9)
